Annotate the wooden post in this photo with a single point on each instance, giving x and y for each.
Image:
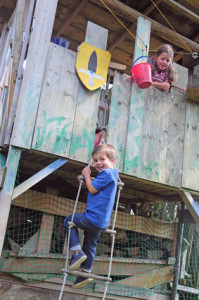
(137, 103)
(6, 193)
(33, 75)
(46, 228)
(87, 104)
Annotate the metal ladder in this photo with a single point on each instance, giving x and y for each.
(111, 231)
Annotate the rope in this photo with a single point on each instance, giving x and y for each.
(178, 88)
(171, 26)
(141, 44)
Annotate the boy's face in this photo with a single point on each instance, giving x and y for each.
(101, 161)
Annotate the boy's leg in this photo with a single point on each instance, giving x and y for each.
(74, 244)
(89, 248)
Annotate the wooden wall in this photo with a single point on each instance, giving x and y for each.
(148, 132)
(153, 132)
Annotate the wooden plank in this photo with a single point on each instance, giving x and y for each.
(87, 104)
(71, 17)
(6, 193)
(149, 279)
(120, 102)
(131, 14)
(30, 246)
(136, 106)
(38, 177)
(55, 117)
(191, 148)
(2, 175)
(40, 290)
(45, 233)
(34, 72)
(17, 69)
(191, 205)
(193, 92)
(63, 207)
(55, 263)
(132, 292)
(162, 133)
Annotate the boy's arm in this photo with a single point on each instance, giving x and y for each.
(161, 85)
(86, 172)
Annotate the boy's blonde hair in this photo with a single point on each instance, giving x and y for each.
(107, 149)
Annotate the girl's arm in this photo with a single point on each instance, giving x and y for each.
(161, 85)
(86, 172)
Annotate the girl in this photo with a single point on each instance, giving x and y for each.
(163, 71)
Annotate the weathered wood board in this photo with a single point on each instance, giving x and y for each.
(56, 113)
(54, 264)
(33, 75)
(63, 207)
(191, 148)
(85, 121)
(119, 113)
(159, 153)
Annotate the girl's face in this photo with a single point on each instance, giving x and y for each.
(163, 61)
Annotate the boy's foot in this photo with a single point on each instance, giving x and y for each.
(81, 281)
(77, 260)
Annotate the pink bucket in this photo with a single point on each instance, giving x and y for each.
(142, 73)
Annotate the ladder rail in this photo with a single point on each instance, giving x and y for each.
(68, 240)
(112, 232)
(113, 242)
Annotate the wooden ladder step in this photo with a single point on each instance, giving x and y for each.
(87, 275)
(110, 231)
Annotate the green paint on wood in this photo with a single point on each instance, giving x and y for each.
(137, 140)
(62, 137)
(148, 169)
(84, 141)
(131, 163)
(139, 112)
(115, 115)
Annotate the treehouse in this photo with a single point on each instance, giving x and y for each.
(49, 123)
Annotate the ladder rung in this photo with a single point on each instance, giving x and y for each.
(119, 183)
(87, 275)
(110, 231)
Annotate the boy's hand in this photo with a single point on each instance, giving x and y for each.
(86, 172)
(81, 179)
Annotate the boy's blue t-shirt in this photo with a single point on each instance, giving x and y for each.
(100, 205)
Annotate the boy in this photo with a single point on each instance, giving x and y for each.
(100, 201)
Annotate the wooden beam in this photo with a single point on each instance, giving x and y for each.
(191, 205)
(193, 92)
(54, 263)
(71, 17)
(6, 193)
(182, 9)
(42, 202)
(119, 39)
(38, 177)
(1, 3)
(149, 279)
(194, 3)
(131, 14)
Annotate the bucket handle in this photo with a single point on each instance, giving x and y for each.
(141, 57)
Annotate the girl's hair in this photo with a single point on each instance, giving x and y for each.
(107, 149)
(166, 48)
